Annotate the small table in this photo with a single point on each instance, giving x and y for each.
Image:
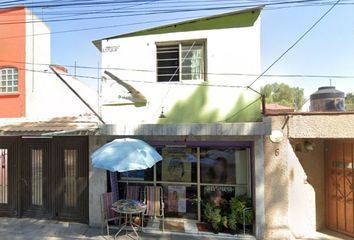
(129, 207)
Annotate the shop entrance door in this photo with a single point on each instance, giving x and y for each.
(339, 186)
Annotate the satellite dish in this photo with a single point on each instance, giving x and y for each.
(277, 136)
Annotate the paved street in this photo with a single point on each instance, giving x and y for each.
(31, 229)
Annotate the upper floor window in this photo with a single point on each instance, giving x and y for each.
(181, 61)
(8, 80)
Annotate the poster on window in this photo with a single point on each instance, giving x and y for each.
(132, 175)
(217, 165)
(217, 194)
(177, 199)
(175, 165)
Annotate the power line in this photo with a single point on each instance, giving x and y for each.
(206, 73)
(152, 11)
(295, 43)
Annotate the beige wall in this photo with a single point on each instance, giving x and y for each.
(276, 188)
(294, 184)
(314, 166)
(321, 126)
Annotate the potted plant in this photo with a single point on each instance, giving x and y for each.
(239, 209)
(213, 216)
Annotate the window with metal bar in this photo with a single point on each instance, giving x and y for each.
(8, 80)
(182, 61)
(70, 165)
(37, 177)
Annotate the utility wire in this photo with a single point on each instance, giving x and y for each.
(206, 73)
(296, 42)
(166, 10)
(280, 57)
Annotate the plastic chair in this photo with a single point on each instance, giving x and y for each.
(108, 215)
(153, 198)
(133, 193)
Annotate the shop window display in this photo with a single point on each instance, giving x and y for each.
(224, 172)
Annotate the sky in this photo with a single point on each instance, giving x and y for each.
(327, 50)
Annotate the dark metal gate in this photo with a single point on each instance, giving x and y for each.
(44, 177)
(8, 176)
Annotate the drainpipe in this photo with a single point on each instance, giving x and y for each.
(263, 104)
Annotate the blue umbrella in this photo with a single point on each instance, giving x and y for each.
(124, 155)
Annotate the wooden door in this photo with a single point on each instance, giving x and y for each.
(339, 186)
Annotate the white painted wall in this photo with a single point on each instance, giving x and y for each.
(235, 50)
(46, 95)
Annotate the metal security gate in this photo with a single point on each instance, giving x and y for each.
(71, 179)
(36, 181)
(44, 178)
(339, 186)
(8, 176)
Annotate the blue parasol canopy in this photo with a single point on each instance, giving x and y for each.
(124, 155)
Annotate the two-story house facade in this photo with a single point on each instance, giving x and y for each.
(28, 87)
(41, 175)
(183, 88)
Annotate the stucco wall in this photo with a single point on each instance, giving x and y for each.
(228, 51)
(276, 187)
(295, 175)
(321, 126)
(12, 54)
(97, 184)
(313, 164)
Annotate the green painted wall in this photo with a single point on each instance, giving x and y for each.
(196, 108)
(236, 19)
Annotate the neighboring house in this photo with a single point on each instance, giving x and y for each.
(183, 88)
(28, 88)
(309, 175)
(42, 175)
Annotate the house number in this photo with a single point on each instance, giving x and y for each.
(110, 49)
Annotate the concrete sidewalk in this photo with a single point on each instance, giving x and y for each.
(31, 229)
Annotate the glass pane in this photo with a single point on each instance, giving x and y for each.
(37, 177)
(3, 176)
(193, 62)
(139, 175)
(70, 169)
(9, 89)
(181, 201)
(179, 164)
(15, 89)
(217, 165)
(133, 191)
(241, 166)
